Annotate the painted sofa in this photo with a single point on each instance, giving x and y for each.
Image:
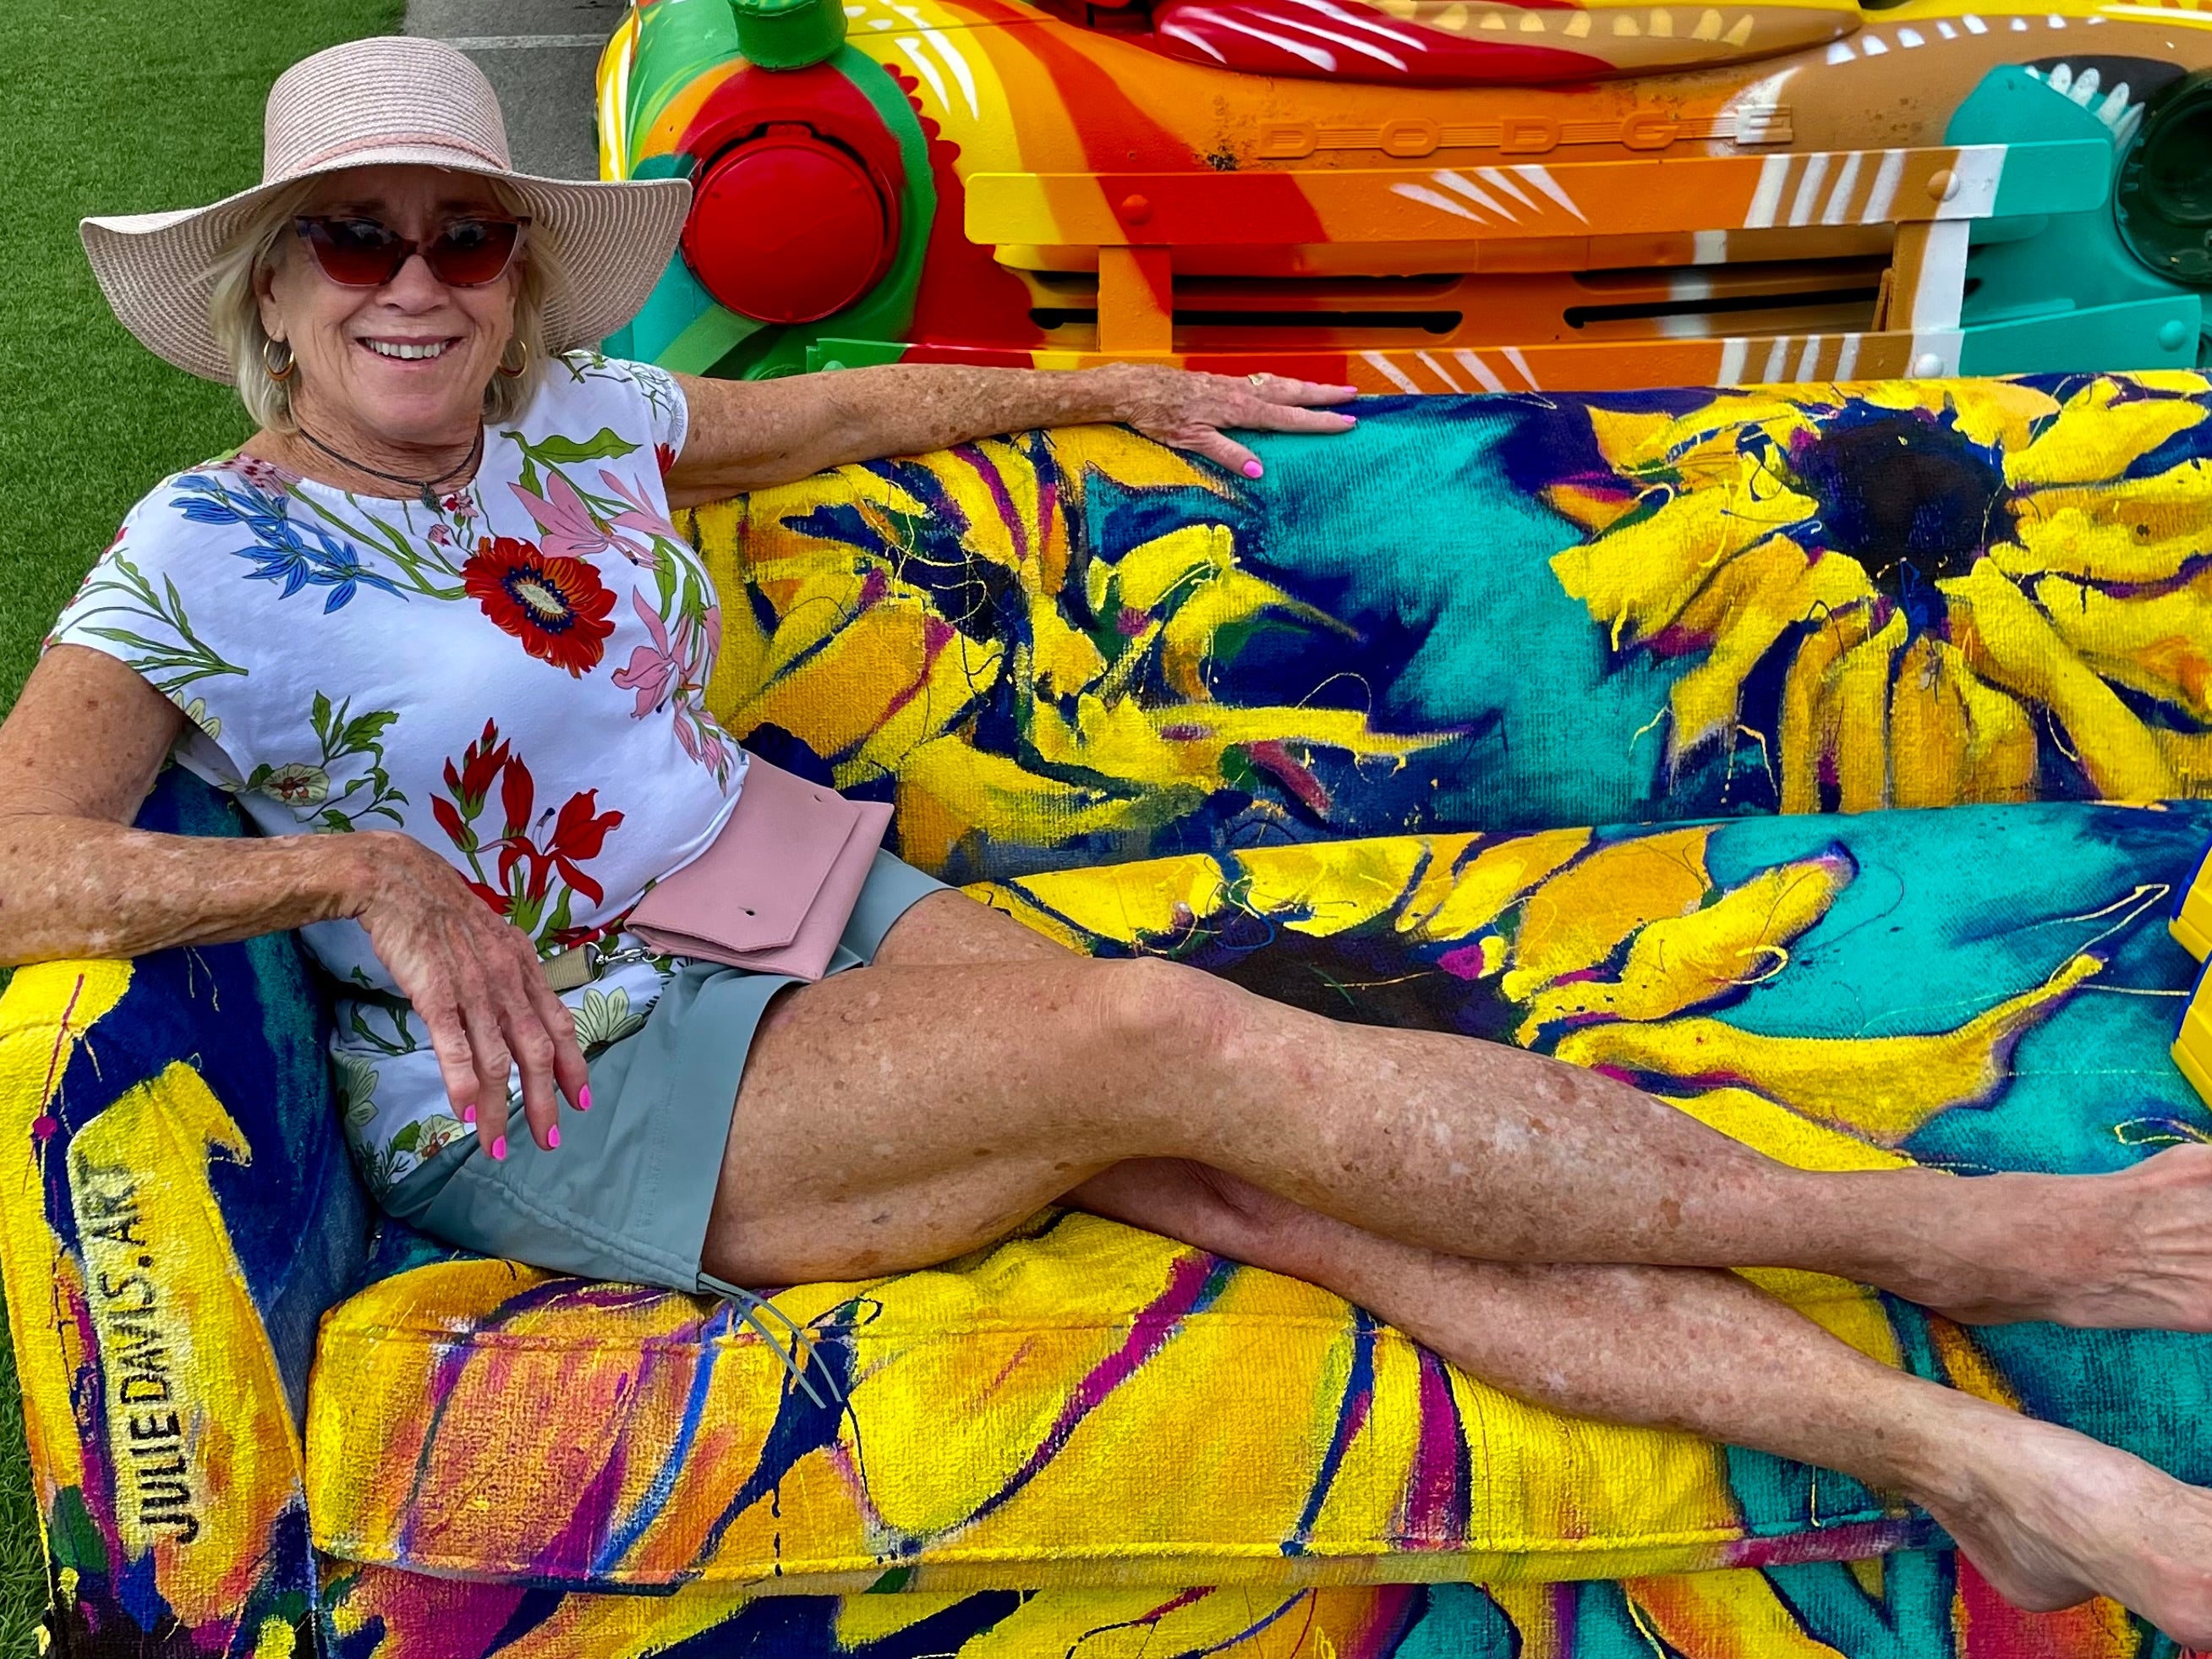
(1331, 735)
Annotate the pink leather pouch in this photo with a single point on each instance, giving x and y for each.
(774, 892)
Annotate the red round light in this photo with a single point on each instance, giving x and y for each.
(787, 227)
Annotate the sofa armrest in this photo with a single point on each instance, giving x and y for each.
(177, 1210)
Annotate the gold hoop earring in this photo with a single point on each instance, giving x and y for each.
(520, 368)
(276, 370)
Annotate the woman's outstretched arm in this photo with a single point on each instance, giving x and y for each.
(745, 434)
(77, 754)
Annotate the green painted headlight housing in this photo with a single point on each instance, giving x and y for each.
(788, 34)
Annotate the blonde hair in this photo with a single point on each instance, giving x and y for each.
(234, 309)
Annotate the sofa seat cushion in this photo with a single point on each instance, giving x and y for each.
(1973, 989)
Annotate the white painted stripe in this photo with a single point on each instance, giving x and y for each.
(1808, 188)
(1378, 53)
(1708, 247)
(927, 71)
(523, 42)
(953, 61)
(1473, 192)
(1506, 184)
(1910, 38)
(1777, 355)
(1839, 199)
(1773, 174)
(1941, 291)
(1450, 384)
(1485, 376)
(1318, 56)
(1809, 362)
(1979, 170)
(1428, 198)
(1840, 52)
(1847, 359)
(1945, 30)
(1543, 180)
(1521, 366)
(1172, 29)
(1887, 178)
(1732, 355)
(1974, 25)
(1873, 45)
(1388, 370)
(1372, 25)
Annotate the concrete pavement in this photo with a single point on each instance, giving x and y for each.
(539, 56)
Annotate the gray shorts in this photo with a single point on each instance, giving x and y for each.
(628, 1193)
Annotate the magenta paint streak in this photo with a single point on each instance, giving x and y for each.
(1852, 1541)
(1434, 1512)
(1193, 1282)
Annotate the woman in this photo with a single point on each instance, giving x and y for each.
(435, 601)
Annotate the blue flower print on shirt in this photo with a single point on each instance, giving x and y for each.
(299, 556)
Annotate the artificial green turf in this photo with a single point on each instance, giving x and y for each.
(114, 107)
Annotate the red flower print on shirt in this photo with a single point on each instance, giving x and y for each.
(536, 865)
(665, 455)
(556, 607)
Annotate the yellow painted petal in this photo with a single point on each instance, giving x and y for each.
(1581, 916)
(1457, 896)
(1678, 962)
(2145, 530)
(1992, 413)
(1722, 1615)
(1322, 888)
(1595, 509)
(1631, 440)
(1639, 577)
(1883, 1087)
(1860, 688)
(1132, 903)
(2006, 637)
(2161, 644)
(953, 797)
(1717, 428)
(1808, 723)
(1749, 604)
(2003, 759)
(2097, 436)
(1118, 453)
(1928, 734)
(1966, 1367)
(1786, 1136)
(888, 679)
(1062, 661)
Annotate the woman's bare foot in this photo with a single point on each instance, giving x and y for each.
(2052, 1517)
(2127, 1251)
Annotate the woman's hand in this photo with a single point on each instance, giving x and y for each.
(1194, 411)
(475, 979)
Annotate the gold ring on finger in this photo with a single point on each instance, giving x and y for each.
(1257, 377)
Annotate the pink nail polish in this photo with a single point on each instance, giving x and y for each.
(584, 1098)
(469, 1113)
(499, 1149)
(553, 1138)
(1351, 420)
(1251, 469)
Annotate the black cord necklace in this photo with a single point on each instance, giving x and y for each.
(427, 486)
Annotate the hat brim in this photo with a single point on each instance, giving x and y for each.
(613, 239)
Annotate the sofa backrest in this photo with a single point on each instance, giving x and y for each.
(1494, 613)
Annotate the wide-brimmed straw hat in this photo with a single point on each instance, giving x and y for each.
(368, 102)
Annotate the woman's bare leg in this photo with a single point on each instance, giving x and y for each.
(899, 1114)
(2050, 1516)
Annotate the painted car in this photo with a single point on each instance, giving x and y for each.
(1425, 195)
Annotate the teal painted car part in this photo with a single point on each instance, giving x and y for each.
(2051, 282)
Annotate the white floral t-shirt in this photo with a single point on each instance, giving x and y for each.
(516, 678)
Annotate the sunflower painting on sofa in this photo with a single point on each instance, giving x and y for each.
(1914, 595)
